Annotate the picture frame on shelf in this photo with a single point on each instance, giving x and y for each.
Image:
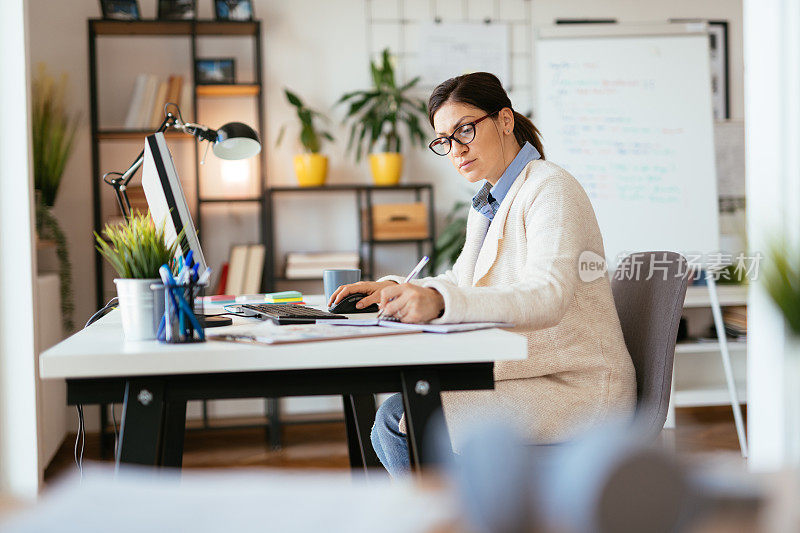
(177, 9)
(236, 10)
(720, 71)
(215, 71)
(120, 9)
(720, 78)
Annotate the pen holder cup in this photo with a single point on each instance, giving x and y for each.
(183, 305)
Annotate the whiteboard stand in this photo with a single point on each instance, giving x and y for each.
(726, 360)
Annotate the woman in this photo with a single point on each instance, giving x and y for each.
(527, 227)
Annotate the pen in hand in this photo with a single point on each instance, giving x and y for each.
(411, 275)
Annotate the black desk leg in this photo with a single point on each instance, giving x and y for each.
(142, 421)
(106, 439)
(174, 432)
(274, 417)
(421, 401)
(359, 415)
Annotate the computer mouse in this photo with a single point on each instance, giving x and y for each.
(347, 305)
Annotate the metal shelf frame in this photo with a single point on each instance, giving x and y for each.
(366, 245)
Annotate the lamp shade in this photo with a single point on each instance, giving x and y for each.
(236, 141)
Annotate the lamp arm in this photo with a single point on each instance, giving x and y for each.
(175, 121)
(120, 183)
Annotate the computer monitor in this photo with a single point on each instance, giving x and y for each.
(165, 197)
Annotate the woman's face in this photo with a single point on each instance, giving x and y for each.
(483, 158)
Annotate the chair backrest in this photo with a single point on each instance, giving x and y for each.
(649, 289)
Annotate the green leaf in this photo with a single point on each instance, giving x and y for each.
(280, 135)
(136, 248)
(293, 98)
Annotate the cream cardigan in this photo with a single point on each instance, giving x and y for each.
(578, 372)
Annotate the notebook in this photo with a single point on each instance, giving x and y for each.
(430, 328)
(269, 333)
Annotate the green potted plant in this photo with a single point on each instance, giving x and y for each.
(375, 116)
(311, 167)
(136, 249)
(52, 132)
(782, 281)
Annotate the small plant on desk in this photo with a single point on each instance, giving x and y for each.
(136, 249)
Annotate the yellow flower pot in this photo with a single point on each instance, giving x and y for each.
(386, 168)
(311, 169)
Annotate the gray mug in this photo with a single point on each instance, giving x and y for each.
(333, 279)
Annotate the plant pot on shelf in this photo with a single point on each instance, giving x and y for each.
(141, 307)
(386, 167)
(311, 169)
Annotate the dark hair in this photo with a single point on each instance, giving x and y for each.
(484, 91)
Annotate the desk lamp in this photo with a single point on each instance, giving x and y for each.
(233, 140)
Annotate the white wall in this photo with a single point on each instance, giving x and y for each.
(19, 456)
(319, 49)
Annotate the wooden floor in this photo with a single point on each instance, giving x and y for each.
(698, 430)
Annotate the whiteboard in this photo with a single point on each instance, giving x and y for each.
(630, 116)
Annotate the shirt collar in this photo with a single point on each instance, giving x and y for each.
(526, 154)
(482, 201)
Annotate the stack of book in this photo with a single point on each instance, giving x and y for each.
(735, 320)
(305, 265)
(150, 93)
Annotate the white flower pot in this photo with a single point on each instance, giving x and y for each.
(141, 307)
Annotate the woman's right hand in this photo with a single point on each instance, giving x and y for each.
(372, 289)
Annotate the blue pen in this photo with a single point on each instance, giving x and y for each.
(190, 258)
(169, 285)
(190, 315)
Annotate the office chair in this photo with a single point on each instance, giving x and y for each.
(649, 312)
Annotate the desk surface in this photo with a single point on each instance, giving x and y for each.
(100, 351)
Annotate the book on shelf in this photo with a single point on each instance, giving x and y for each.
(137, 98)
(735, 320)
(150, 94)
(245, 268)
(174, 89)
(222, 281)
(157, 111)
(185, 101)
(302, 265)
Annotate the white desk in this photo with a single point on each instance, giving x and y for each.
(154, 381)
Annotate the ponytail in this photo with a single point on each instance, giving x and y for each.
(484, 91)
(525, 131)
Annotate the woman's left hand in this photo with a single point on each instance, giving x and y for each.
(411, 303)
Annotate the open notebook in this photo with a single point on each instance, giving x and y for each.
(269, 333)
(431, 328)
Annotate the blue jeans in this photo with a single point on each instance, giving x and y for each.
(389, 443)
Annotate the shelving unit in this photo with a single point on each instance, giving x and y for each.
(701, 360)
(191, 30)
(366, 244)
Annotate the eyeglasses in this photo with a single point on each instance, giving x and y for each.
(463, 135)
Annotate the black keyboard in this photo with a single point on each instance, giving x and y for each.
(291, 313)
